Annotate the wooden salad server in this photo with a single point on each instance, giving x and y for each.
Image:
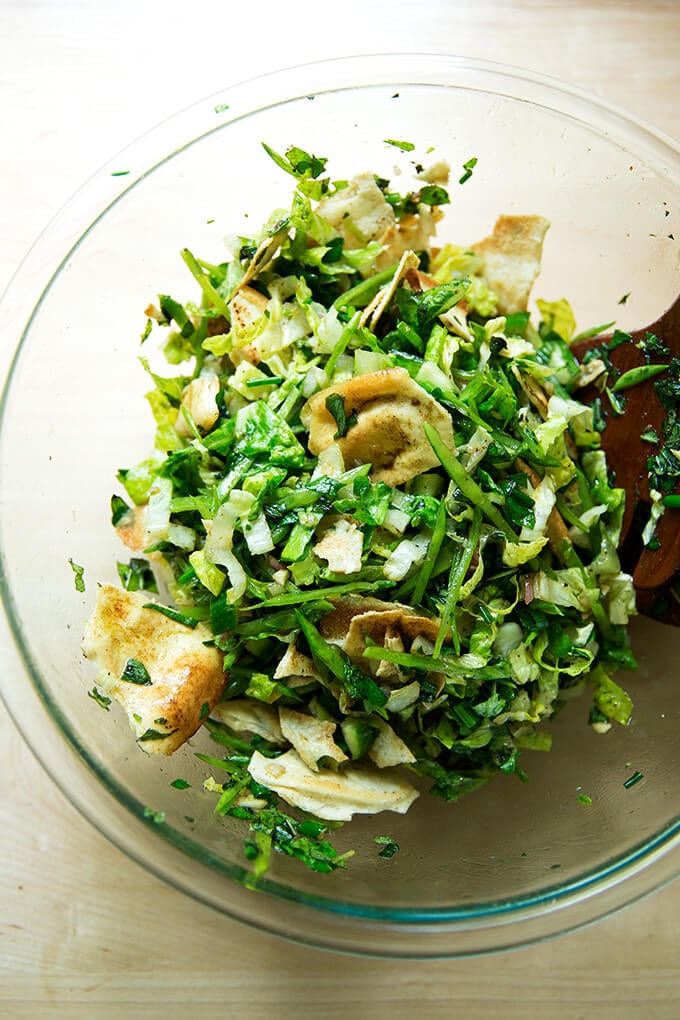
(655, 567)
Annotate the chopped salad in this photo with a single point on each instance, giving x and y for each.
(375, 545)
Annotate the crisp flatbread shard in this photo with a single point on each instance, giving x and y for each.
(311, 738)
(186, 675)
(333, 795)
(391, 410)
(358, 212)
(512, 259)
(388, 748)
(245, 716)
(353, 619)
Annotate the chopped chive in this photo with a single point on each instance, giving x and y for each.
(203, 280)
(296, 597)
(459, 569)
(78, 579)
(270, 380)
(467, 485)
(100, 698)
(341, 344)
(119, 173)
(172, 614)
(361, 293)
(468, 167)
(632, 780)
(152, 734)
(404, 146)
(438, 534)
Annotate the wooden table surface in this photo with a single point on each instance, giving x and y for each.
(84, 932)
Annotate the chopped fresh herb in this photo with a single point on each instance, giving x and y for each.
(79, 575)
(468, 167)
(221, 107)
(649, 435)
(172, 614)
(152, 734)
(335, 402)
(120, 511)
(634, 779)
(405, 146)
(180, 784)
(622, 300)
(617, 403)
(603, 350)
(135, 672)
(583, 798)
(100, 698)
(652, 347)
(137, 575)
(157, 817)
(119, 173)
(388, 847)
(434, 194)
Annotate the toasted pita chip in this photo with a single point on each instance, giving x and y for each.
(358, 212)
(512, 259)
(333, 796)
(388, 748)
(408, 262)
(341, 547)
(354, 619)
(414, 231)
(312, 738)
(391, 410)
(295, 663)
(389, 671)
(185, 674)
(249, 716)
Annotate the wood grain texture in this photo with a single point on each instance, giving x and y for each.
(84, 932)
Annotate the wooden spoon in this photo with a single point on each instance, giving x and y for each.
(653, 570)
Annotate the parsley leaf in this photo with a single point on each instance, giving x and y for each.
(135, 672)
(100, 698)
(78, 579)
(335, 402)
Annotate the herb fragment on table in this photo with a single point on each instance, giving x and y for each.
(78, 575)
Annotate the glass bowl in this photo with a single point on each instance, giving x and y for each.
(513, 862)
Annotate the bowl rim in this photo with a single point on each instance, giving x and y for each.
(107, 187)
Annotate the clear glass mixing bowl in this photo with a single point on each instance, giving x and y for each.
(513, 862)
